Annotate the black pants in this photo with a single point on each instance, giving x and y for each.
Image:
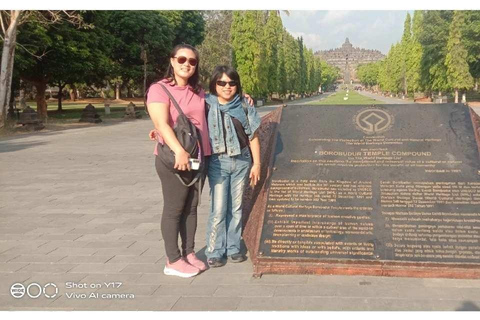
(179, 212)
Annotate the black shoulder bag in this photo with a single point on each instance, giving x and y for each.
(190, 139)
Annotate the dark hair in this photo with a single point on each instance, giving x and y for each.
(218, 73)
(193, 81)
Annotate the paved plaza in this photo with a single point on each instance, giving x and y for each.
(82, 207)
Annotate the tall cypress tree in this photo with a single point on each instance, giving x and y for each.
(458, 74)
(405, 52)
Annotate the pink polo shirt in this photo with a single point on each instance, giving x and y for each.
(191, 103)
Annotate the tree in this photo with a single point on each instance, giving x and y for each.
(143, 41)
(273, 29)
(247, 52)
(459, 77)
(406, 48)
(471, 41)
(216, 48)
(292, 63)
(368, 74)
(433, 37)
(60, 54)
(10, 21)
(415, 57)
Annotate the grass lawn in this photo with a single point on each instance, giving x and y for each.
(72, 111)
(353, 98)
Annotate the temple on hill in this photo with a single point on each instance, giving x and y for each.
(347, 58)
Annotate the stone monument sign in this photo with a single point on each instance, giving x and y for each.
(387, 190)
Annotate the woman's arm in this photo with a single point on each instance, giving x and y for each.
(159, 113)
(255, 171)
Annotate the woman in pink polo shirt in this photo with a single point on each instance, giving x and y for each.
(180, 202)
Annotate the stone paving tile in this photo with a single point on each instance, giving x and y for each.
(48, 267)
(82, 304)
(245, 291)
(98, 230)
(221, 279)
(129, 231)
(120, 251)
(8, 257)
(109, 244)
(137, 290)
(50, 230)
(35, 258)
(12, 237)
(7, 302)
(156, 252)
(75, 251)
(305, 291)
(143, 268)
(87, 259)
(449, 283)
(98, 268)
(142, 303)
(434, 293)
(50, 237)
(135, 259)
(206, 304)
(379, 304)
(101, 237)
(186, 290)
(271, 304)
(126, 279)
(161, 279)
(8, 279)
(12, 267)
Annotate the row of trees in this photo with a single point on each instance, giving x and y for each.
(124, 51)
(439, 52)
(269, 60)
(101, 49)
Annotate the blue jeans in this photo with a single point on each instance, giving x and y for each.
(227, 177)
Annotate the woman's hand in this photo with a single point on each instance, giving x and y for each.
(153, 135)
(181, 161)
(254, 175)
(249, 99)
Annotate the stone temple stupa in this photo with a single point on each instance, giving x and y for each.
(347, 58)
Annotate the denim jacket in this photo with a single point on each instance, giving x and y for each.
(234, 109)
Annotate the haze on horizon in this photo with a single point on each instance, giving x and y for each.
(324, 30)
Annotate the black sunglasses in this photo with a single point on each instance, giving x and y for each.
(191, 61)
(224, 83)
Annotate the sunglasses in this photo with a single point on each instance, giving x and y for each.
(224, 83)
(191, 61)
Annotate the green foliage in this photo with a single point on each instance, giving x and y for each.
(216, 48)
(188, 26)
(247, 53)
(433, 38)
(63, 52)
(458, 74)
(471, 41)
(137, 31)
(368, 73)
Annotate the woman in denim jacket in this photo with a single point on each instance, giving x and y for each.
(232, 126)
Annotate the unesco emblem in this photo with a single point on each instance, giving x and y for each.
(372, 121)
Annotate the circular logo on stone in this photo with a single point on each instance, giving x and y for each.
(372, 121)
(17, 290)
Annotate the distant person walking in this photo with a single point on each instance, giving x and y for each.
(232, 126)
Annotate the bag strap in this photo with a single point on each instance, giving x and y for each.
(173, 100)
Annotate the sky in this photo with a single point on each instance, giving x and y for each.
(323, 30)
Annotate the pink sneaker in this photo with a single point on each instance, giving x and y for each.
(180, 268)
(197, 263)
